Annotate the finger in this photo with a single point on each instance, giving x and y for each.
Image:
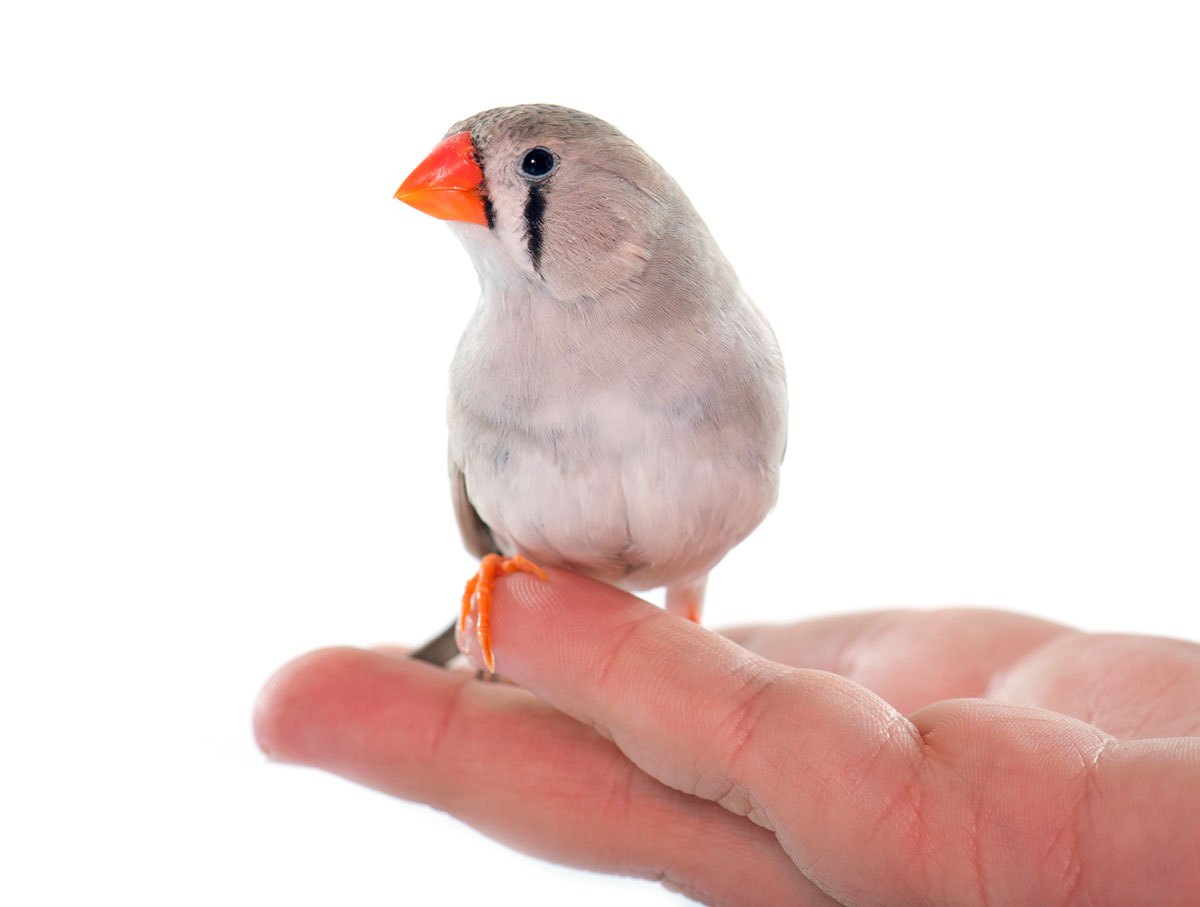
(910, 658)
(1132, 687)
(518, 770)
(970, 797)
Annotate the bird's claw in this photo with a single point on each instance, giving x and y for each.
(479, 593)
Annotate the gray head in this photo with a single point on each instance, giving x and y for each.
(563, 200)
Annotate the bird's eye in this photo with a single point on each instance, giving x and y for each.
(537, 162)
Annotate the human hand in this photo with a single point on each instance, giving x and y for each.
(775, 764)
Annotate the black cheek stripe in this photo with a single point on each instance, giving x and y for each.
(489, 213)
(535, 210)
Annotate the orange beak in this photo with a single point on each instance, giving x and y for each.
(446, 184)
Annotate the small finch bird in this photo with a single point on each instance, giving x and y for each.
(618, 405)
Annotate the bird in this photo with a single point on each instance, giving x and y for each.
(617, 403)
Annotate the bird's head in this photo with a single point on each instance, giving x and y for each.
(547, 195)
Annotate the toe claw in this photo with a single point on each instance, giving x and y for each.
(478, 594)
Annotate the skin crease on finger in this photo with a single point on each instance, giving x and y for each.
(966, 801)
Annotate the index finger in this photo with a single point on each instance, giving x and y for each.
(638, 674)
(662, 687)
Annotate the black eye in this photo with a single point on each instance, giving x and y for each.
(537, 162)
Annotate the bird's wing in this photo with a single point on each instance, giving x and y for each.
(475, 532)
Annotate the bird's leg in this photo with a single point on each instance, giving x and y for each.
(479, 589)
(687, 598)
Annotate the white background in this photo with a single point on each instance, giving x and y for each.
(223, 356)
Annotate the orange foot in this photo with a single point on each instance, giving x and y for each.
(479, 588)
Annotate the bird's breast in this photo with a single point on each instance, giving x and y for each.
(638, 454)
(610, 484)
